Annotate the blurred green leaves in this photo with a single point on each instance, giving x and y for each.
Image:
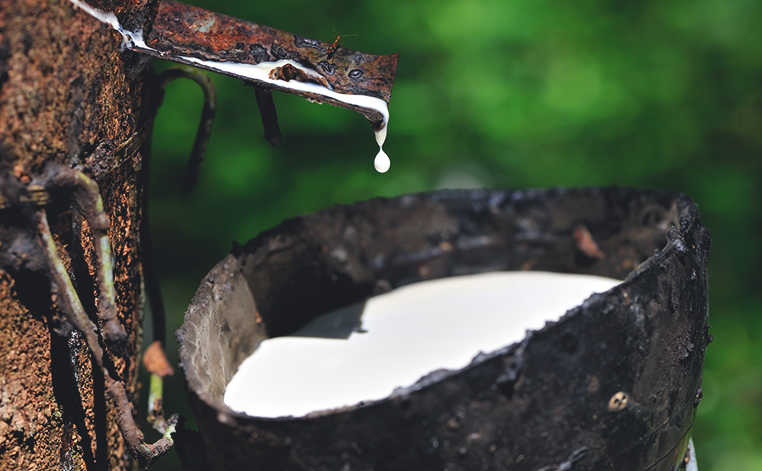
(523, 93)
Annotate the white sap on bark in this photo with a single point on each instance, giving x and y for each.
(400, 337)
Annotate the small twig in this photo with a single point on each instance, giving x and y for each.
(204, 131)
(70, 305)
(64, 292)
(157, 364)
(269, 115)
(86, 197)
(156, 404)
(143, 452)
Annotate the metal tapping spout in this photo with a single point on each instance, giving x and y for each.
(262, 56)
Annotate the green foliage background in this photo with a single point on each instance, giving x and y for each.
(502, 93)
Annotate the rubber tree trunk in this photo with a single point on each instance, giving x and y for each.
(69, 95)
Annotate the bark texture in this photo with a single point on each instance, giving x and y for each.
(68, 95)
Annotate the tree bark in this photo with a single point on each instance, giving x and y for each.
(68, 95)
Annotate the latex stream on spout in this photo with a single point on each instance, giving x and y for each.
(260, 72)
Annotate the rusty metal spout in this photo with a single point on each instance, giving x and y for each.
(180, 32)
(315, 70)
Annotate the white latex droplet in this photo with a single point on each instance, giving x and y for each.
(382, 162)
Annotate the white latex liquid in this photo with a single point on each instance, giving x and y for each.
(405, 334)
(382, 162)
(134, 40)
